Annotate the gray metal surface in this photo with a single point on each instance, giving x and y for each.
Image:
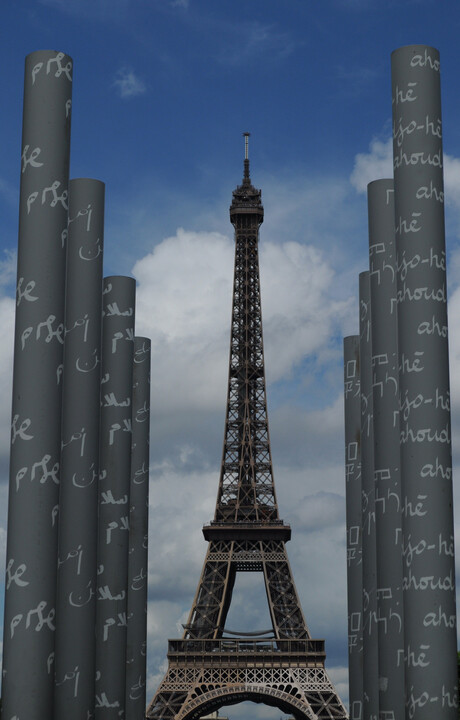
(353, 490)
(138, 535)
(429, 580)
(370, 626)
(387, 476)
(114, 480)
(77, 563)
(28, 642)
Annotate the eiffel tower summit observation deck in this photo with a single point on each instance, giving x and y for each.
(210, 667)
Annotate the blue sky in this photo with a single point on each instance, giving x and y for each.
(163, 90)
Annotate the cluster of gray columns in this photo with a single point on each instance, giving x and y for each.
(74, 643)
(400, 545)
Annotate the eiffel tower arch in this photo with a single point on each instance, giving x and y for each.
(210, 667)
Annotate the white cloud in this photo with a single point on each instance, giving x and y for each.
(376, 164)
(301, 322)
(8, 269)
(452, 193)
(128, 83)
(181, 501)
(184, 303)
(454, 342)
(339, 677)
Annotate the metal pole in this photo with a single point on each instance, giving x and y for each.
(30, 590)
(370, 630)
(426, 465)
(77, 563)
(114, 479)
(138, 535)
(388, 515)
(353, 493)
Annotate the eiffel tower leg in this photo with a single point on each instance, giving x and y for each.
(212, 599)
(285, 608)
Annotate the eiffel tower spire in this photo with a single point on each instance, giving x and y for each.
(207, 668)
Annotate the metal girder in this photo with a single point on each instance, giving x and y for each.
(193, 691)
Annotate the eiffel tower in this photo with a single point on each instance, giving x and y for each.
(210, 666)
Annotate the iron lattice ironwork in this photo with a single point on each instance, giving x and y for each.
(207, 670)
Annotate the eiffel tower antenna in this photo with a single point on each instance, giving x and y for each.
(207, 670)
(246, 157)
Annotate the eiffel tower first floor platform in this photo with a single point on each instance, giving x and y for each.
(204, 675)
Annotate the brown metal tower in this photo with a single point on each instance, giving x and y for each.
(207, 668)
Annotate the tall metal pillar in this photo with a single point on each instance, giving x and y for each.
(370, 630)
(426, 465)
(353, 492)
(114, 481)
(138, 535)
(387, 476)
(30, 589)
(77, 563)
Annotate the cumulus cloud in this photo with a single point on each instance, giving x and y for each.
(378, 163)
(184, 304)
(454, 337)
(300, 323)
(319, 510)
(8, 271)
(339, 676)
(181, 502)
(128, 84)
(373, 165)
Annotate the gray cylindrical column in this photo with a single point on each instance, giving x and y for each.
(138, 535)
(77, 563)
(370, 626)
(353, 492)
(30, 590)
(426, 467)
(387, 476)
(114, 480)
